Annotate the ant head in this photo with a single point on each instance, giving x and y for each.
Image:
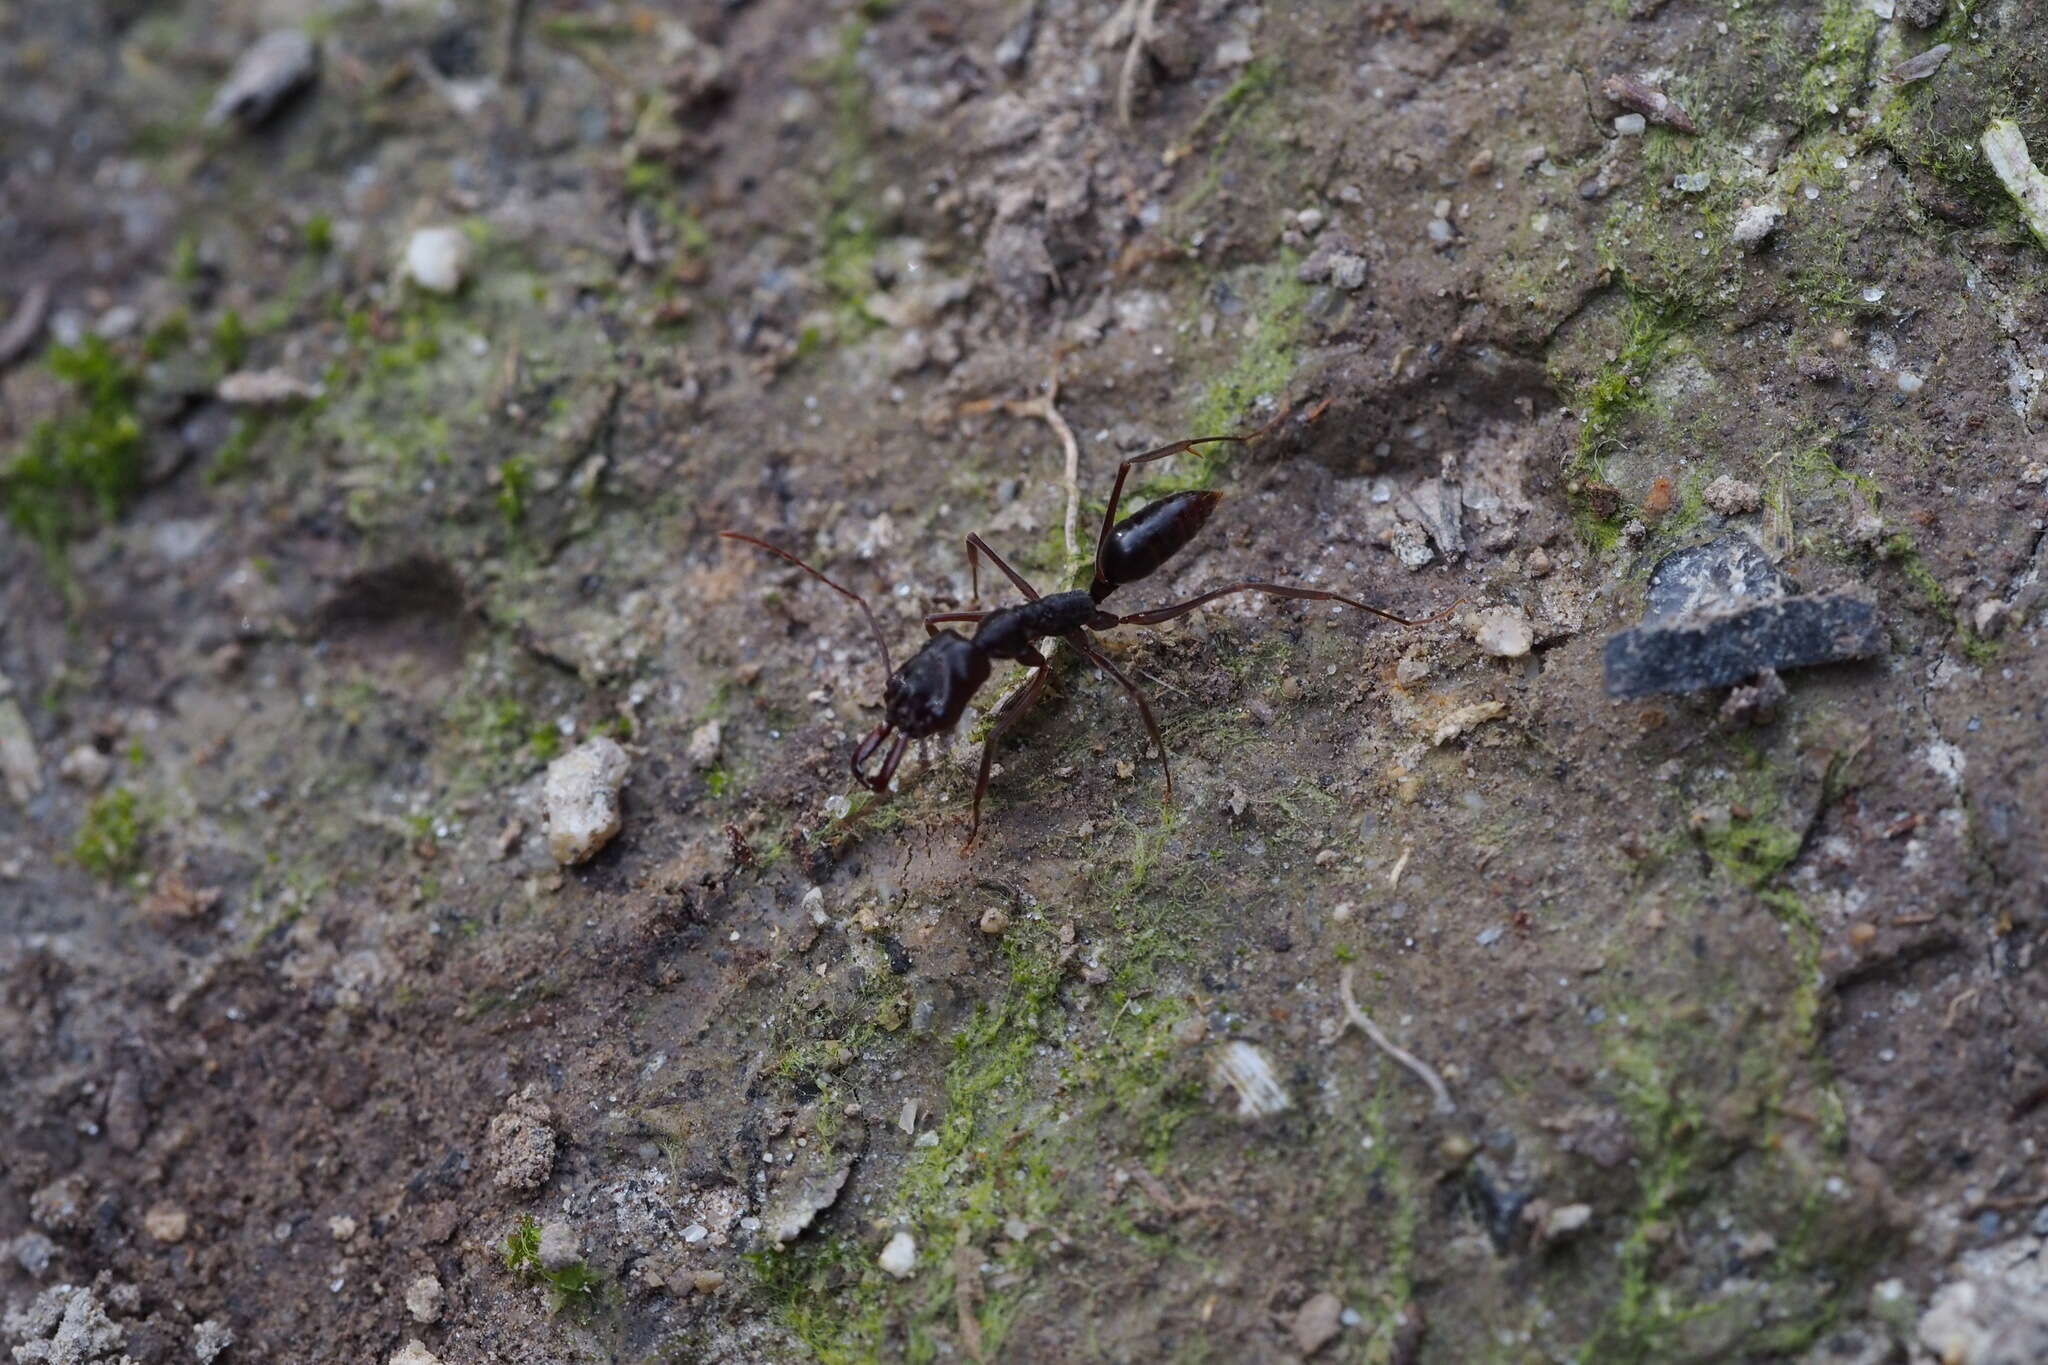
(925, 696)
(932, 689)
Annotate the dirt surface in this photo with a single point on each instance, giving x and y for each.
(312, 1051)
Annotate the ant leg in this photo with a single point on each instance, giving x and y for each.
(934, 618)
(1102, 661)
(977, 546)
(1013, 707)
(1167, 613)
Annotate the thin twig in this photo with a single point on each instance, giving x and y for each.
(1045, 408)
(1141, 33)
(1387, 1045)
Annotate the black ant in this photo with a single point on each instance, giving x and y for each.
(930, 692)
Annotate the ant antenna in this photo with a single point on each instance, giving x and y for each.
(881, 642)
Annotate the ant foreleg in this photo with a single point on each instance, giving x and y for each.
(1157, 615)
(1102, 661)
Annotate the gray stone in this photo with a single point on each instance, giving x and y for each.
(264, 77)
(1722, 613)
(560, 1247)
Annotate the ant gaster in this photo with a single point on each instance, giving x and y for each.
(928, 695)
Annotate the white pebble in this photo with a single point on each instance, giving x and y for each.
(899, 1257)
(704, 744)
(1757, 222)
(1631, 125)
(1503, 632)
(583, 799)
(1910, 382)
(437, 258)
(1246, 1070)
(423, 1299)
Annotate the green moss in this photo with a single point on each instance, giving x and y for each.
(575, 1287)
(185, 259)
(231, 340)
(88, 460)
(236, 456)
(1752, 851)
(848, 235)
(318, 234)
(109, 843)
(1000, 1150)
(168, 336)
(515, 476)
(545, 741)
(1834, 76)
(1261, 364)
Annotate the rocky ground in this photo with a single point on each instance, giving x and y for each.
(370, 407)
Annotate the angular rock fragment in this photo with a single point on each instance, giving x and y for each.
(2005, 147)
(1722, 613)
(264, 77)
(1246, 1070)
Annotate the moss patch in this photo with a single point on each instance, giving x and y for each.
(87, 462)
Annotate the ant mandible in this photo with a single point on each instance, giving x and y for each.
(928, 695)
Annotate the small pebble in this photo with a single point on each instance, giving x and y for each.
(86, 766)
(33, 1252)
(1316, 1322)
(1244, 1069)
(899, 1257)
(1565, 1220)
(704, 744)
(437, 258)
(210, 1338)
(1310, 221)
(1733, 497)
(1631, 125)
(1910, 382)
(414, 1352)
(1538, 563)
(423, 1299)
(1758, 222)
(994, 921)
(265, 389)
(582, 798)
(264, 77)
(1503, 632)
(560, 1247)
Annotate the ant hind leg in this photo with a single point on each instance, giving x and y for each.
(1103, 662)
